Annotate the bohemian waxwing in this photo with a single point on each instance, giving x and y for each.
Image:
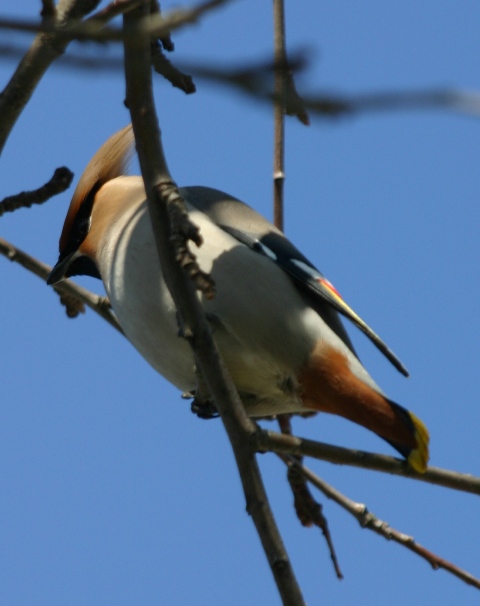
(275, 316)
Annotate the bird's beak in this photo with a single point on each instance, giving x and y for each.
(60, 269)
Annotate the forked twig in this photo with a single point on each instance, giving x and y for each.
(367, 519)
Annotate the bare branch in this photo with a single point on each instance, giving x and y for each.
(280, 443)
(165, 68)
(309, 512)
(280, 58)
(367, 519)
(97, 303)
(256, 80)
(337, 106)
(61, 180)
(150, 27)
(239, 427)
(44, 50)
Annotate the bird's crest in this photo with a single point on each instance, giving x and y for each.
(110, 161)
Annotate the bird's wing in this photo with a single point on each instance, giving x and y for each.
(252, 229)
(282, 252)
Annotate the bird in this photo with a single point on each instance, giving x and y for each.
(275, 317)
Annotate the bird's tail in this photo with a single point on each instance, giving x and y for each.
(327, 384)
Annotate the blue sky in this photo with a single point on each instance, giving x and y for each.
(111, 491)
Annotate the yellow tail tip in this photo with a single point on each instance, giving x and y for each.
(419, 456)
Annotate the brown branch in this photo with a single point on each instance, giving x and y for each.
(367, 519)
(44, 50)
(160, 26)
(280, 58)
(166, 69)
(331, 106)
(61, 180)
(239, 427)
(255, 81)
(98, 304)
(280, 443)
(309, 512)
(151, 26)
(336, 106)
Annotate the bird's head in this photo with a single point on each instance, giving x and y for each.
(109, 162)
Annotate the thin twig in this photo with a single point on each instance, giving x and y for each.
(165, 68)
(61, 180)
(150, 27)
(367, 519)
(253, 81)
(280, 58)
(239, 427)
(309, 512)
(280, 443)
(98, 304)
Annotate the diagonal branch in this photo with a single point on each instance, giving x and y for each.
(256, 80)
(367, 519)
(66, 288)
(44, 50)
(149, 27)
(240, 429)
(281, 443)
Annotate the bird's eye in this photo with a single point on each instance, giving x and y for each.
(83, 227)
